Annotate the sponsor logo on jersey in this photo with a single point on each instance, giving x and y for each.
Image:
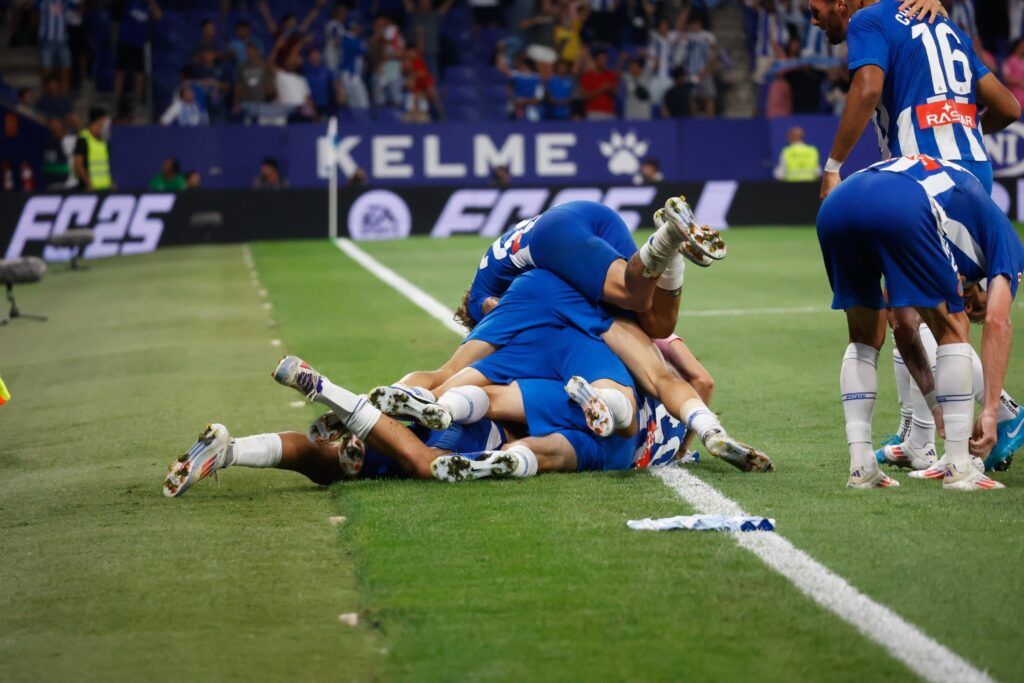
(945, 113)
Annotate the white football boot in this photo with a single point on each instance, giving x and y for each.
(738, 454)
(204, 458)
(705, 240)
(452, 468)
(595, 410)
(397, 400)
(905, 456)
(937, 470)
(686, 248)
(296, 373)
(968, 479)
(870, 478)
(329, 429)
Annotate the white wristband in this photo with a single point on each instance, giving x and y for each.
(833, 166)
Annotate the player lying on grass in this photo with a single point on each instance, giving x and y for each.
(354, 440)
(898, 235)
(547, 357)
(518, 331)
(589, 246)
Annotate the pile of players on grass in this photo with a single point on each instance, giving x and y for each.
(570, 364)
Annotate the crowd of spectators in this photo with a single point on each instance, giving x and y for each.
(799, 72)
(275, 61)
(603, 59)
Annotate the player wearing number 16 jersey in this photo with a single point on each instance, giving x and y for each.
(922, 83)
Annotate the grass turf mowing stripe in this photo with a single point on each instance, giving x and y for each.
(902, 640)
(102, 577)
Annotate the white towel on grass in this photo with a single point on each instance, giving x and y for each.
(704, 523)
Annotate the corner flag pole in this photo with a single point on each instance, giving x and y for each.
(332, 180)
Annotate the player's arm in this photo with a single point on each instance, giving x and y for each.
(1001, 107)
(995, 355)
(865, 91)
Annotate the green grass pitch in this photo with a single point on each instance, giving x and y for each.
(101, 578)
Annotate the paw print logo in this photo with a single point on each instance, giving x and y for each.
(623, 152)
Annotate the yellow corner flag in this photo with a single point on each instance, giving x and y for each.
(5, 395)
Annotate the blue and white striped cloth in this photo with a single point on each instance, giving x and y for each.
(53, 25)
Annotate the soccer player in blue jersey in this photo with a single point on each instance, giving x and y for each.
(568, 445)
(898, 235)
(588, 246)
(979, 260)
(922, 83)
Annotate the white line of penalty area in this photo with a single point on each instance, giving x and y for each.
(904, 641)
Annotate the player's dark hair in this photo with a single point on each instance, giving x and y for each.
(462, 315)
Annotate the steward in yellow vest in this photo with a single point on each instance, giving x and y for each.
(92, 156)
(799, 162)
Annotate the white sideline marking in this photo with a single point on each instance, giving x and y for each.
(752, 311)
(904, 641)
(434, 308)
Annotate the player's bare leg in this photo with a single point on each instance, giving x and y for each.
(464, 356)
(520, 459)
(358, 416)
(681, 359)
(639, 354)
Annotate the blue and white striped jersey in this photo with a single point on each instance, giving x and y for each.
(53, 25)
(980, 237)
(928, 102)
(660, 435)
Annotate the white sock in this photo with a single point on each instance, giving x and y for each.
(1008, 408)
(527, 461)
(259, 450)
(953, 390)
(700, 419)
(904, 382)
(466, 404)
(657, 252)
(355, 412)
(619, 406)
(671, 279)
(858, 385)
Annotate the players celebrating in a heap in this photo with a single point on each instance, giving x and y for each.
(922, 82)
(559, 372)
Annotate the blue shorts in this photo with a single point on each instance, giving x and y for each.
(540, 299)
(578, 242)
(882, 224)
(550, 411)
(982, 170)
(553, 353)
(480, 436)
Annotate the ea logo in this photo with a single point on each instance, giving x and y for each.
(379, 215)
